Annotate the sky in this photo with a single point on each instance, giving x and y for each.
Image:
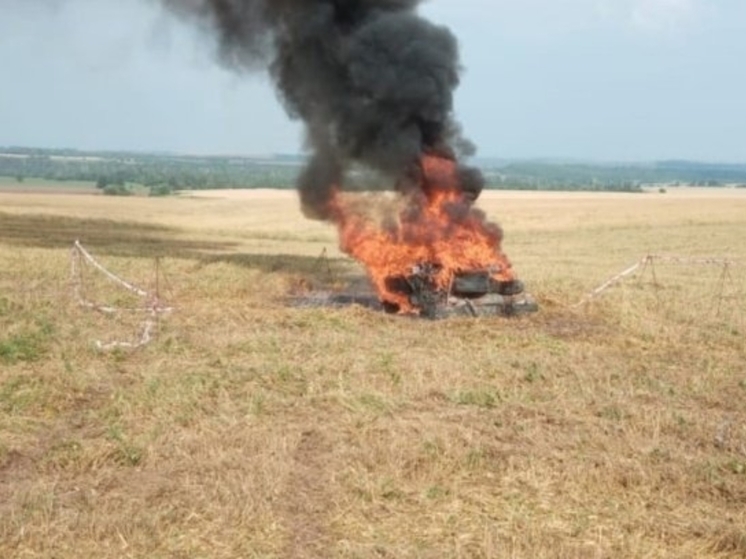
(596, 80)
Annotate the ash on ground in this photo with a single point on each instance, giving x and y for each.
(471, 294)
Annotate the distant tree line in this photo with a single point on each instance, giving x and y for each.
(630, 177)
(164, 173)
(517, 182)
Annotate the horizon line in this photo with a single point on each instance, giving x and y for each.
(540, 159)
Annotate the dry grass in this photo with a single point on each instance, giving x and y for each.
(251, 429)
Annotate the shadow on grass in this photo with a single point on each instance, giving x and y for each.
(136, 240)
(106, 237)
(317, 272)
(292, 263)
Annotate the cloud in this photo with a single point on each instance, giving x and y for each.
(668, 17)
(663, 15)
(542, 18)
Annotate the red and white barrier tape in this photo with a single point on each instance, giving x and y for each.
(651, 259)
(152, 308)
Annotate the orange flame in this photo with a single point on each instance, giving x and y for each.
(438, 226)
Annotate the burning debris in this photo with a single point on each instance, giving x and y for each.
(440, 257)
(469, 294)
(373, 82)
(436, 239)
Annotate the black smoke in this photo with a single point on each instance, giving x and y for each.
(371, 79)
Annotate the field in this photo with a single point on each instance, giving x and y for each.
(251, 428)
(41, 186)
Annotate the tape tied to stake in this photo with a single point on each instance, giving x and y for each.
(153, 307)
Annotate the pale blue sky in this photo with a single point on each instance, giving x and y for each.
(582, 79)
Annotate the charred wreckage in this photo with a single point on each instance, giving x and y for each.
(470, 294)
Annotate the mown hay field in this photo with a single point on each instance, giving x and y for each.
(252, 428)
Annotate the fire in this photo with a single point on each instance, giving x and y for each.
(438, 227)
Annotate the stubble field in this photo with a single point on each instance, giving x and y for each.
(251, 428)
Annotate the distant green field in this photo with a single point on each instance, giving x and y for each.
(35, 185)
(31, 184)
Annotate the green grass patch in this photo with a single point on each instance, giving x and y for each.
(28, 345)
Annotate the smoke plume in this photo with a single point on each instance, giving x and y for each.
(371, 79)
